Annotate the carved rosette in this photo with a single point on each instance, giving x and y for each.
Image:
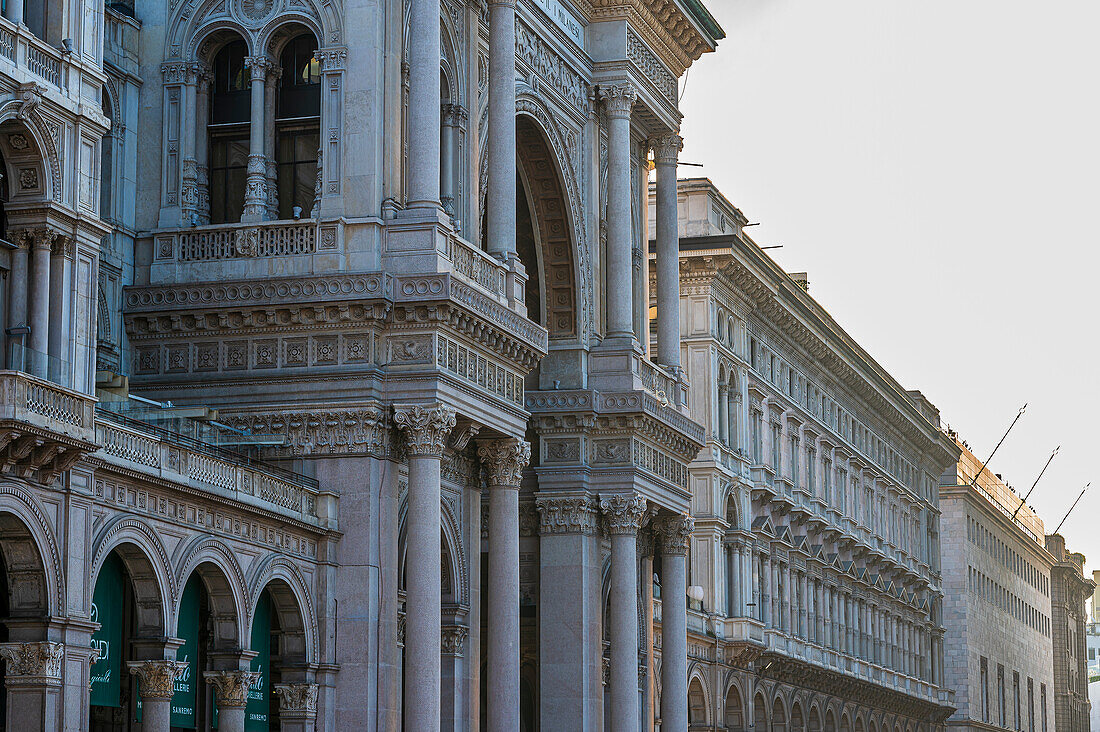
(567, 516)
(675, 534)
(157, 677)
(452, 640)
(425, 427)
(298, 700)
(231, 687)
(35, 662)
(619, 99)
(504, 461)
(666, 148)
(624, 514)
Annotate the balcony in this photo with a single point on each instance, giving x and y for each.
(35, 60)
(44, 428)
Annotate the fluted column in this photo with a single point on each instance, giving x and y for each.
(297, 707)
(41, 249)
(255, 188)
(504, 461)
(500, 205)
(666, 150)
(157, 685)
(675, 535)
(424, 105)
(620, 325)
(624, 517)
(426, 428)
(32, 679)
(231, 696)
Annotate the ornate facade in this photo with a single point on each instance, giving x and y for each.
(814, 568)
(1070, 589)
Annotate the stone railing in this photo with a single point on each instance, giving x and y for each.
(43, 64)
(22, 48)
(127, 443)
(45, 405)
(237, 241)
(477, 266)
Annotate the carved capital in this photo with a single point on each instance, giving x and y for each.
(425, 426)
(567, 516)
(504, 461)
(35, 237)
(231, 687)
(452, 639)
(261, 66)
(158, 677)
(619, 99)
(666, 148)
(297, 699)
(37, 661)
(624, 514)
(675, 534)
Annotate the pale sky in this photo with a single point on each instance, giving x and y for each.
(934, 167)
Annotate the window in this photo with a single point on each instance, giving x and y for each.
(1043, 706)
(228, 130)
(1030, 705)
(1016, 699)
(1002, 702)
(985, 689)
(297, 126)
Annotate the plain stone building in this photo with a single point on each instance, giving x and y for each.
(1070, 589)
(997, 575)
(814, 558)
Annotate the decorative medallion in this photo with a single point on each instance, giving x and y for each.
(253, 12)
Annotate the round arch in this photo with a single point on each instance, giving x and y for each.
(734, 710)
(30, 154)
(292, 602)
(779, 714)
(798, 719)
(29, 551)
(190, 26)
(814, 723)
(143, 555)
(224, 581)
(760, 718)
(698, 701)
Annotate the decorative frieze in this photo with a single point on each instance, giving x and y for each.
(534, 53)
(471, 366)
(567, 516)
(647, 63)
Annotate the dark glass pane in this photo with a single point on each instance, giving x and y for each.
(300, 92)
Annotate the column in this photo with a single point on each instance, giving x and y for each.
(734, 427)
(723, 414)
(13, 11)
(666, 150)
(447, 162)
(503, 461)
(675, 535)
(202, 169)
(61, 332)
(17, 299)
(32, 678)
(624, 515)
(297, 707)
(271, 168)
(255, 187)
(40, 301)
(426, 428)
(619, 266)
(424, 109)
(157, 679)
(231, 696)
(190, 121)
(500, 204)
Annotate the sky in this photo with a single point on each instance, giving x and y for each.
(935, 168)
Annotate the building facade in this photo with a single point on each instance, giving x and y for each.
(1070, 590)
(814, 559)
(999, 655)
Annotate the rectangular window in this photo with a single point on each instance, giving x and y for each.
(757, 444)
(1030, 705)
(1002, 701)
(985, 690)
(1043, 706)
(228, 170)
(297, 181)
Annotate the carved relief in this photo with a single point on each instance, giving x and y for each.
(425, 427)
(157, 677)
(35, 661)
(504, 461)
(231, 687)
(623, 513)
(297, 698)
(567, 516)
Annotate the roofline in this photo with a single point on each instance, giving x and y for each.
(702, 16)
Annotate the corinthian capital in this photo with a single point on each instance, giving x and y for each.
(504, 461)
(157, 677)
(231, 687)
(675, 533)
(425, 426)
(37, 660)
(624, 514)
(666, 148)
(260, 65)
(297, 698)
(619, 99)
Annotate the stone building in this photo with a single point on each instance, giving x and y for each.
(1069, 590)
(814, 559)
(999, 657)
(330, 401)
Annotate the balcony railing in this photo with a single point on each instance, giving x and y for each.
(21, 47)
(475, 265)
(35, 401)
(238, 241)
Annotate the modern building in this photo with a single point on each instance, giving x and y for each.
(814, 560)
(1070, 590)
(999, 656)
(329, 394)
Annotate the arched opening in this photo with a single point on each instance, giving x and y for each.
(106, 161)
(228, 131)
(798, 721)
(733, 559)
(759, 713)
(845, 724)
(859, 727)
(734, 711)
(697, 704)
(815, 720)
(297, 129)
(779, 716)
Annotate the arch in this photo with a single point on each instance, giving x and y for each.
(698, 703)
(760, 716)
(291, 597)
(27, 144)
(859, 726)
(813, 722)
(798, 720)
(219, 571)
(456, 564)
(734, 710)
(779, 714)
(283, 27)
(29, 550)
(146, 561)
(845, 722)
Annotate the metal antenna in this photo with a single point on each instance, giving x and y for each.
(1073, 506)
(982, 470)
(1049, 459)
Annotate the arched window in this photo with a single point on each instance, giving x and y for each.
(228, 130)
(697, 704)
(106, 163)
(297, 126)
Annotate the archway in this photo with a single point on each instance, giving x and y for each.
(815, 719)
(735, 711)
(779, 715)
(759, 713)
(798, 721)
(697, 704)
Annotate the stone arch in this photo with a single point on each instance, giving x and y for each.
(284, 27)
(734, 707)
(206, 44)
(292, 599)
(830, 720)
(813, 720)
(845, 722)
(779, 713)
(456, 564)
(859, 726)
(193, 22)
(760, 717)
(29, 552)
(221, 574)
(29, 148)
(698, 699)
(146, 562)
(798, 718)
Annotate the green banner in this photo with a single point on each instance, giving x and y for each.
(183, 701)
(258, 712)
(107, 611)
